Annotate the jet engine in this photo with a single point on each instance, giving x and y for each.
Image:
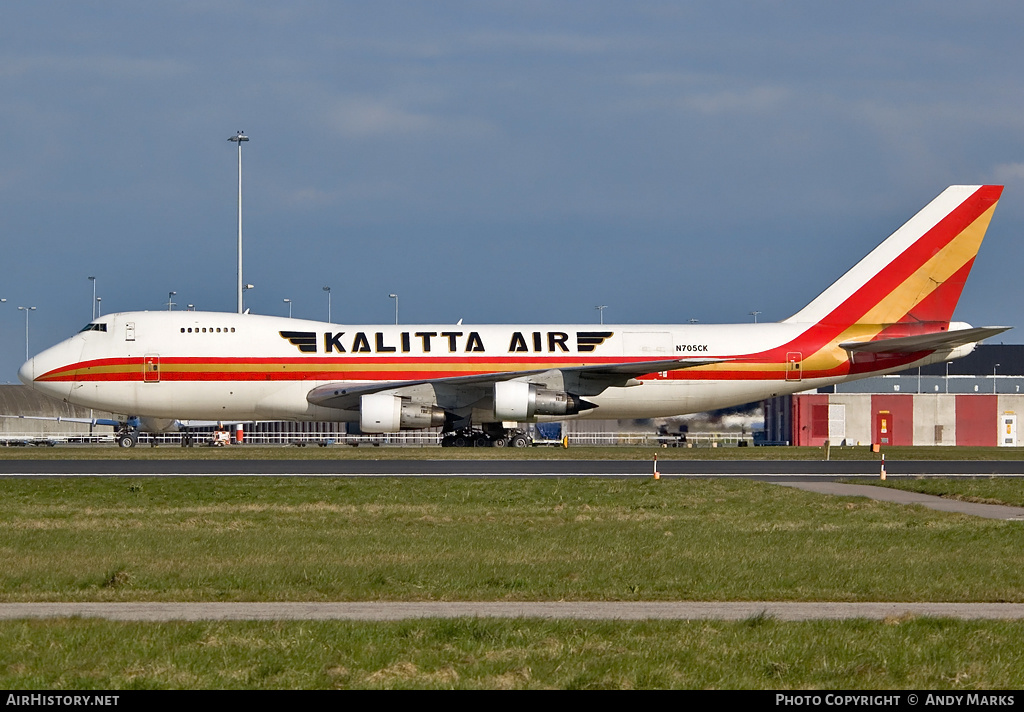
(386, 413)
(515, 400)
(159, 425)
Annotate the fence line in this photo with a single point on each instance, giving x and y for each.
(402, 439)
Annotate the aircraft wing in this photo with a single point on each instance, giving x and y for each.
(119, 423)
(345, 396)
(925, 342)
(61, 419)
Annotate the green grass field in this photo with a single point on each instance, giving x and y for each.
(513, 654)
(298, 539)
(986, 490)
(310, 539)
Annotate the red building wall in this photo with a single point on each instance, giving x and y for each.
(976, 422)
(808, 428)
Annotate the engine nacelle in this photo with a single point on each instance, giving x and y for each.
(385, 413)
(159, 425)
(515, 401)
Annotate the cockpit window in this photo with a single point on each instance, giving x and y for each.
(94, 327)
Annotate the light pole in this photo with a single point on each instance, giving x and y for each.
(26, 310)
(754, 314)
(93, 280)
(395, 297)
(289, 303)
(170, 304)
(239, 138)
(99, 307)
(600, 310)
(246, 288)
(947, 376)
(328, 290)
(994, 367)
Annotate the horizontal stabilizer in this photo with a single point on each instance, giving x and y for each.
(925, 342)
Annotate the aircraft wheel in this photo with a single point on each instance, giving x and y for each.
(519, 441)
(482, 441)
(499, 442)
(126, 441)
(459, 441)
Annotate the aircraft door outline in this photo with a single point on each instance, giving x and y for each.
(151, 368)
(793, 366)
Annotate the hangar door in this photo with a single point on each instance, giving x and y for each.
(828, 421)
(883, 427)
(1008, 430)
(836, 423)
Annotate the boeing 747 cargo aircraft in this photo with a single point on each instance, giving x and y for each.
(892, 311)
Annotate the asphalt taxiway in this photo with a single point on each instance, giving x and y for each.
(766, 469)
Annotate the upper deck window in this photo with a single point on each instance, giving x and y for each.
(94, 327)
(197, 330)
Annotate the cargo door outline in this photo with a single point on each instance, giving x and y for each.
(151, 368)
(793, 366)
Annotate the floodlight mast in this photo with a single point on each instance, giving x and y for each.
(26, 310)
(239, 138)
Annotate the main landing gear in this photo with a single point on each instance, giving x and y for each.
(499, 437)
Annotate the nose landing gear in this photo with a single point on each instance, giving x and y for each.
(127, 437)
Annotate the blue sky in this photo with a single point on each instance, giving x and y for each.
(493, 161)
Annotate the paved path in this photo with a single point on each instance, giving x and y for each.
(385, 611)
(886, 494)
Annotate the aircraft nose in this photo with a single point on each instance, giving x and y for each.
(27, 372)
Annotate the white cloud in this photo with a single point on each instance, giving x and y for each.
(1008, 172)
(557, 43)
(100, 66)
(746, 101)
(369, 117)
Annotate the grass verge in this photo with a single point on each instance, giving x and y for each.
(985, 490)
(932, 654)
(312, 539)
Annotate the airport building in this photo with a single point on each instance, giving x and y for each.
(975, 400)
(44, 418)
